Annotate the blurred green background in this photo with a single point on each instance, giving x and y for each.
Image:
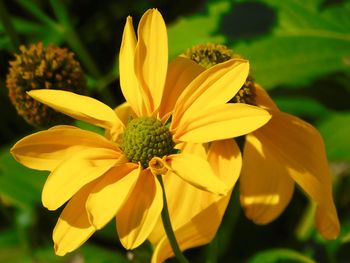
(298, 50)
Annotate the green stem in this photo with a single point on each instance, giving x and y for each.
(8, 26)
(73, 39)
(306, 224)
(168, 228)
(222, 240)
(79, 48)
(40, 15)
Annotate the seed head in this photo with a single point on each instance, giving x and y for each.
(37, 67)
(209, 55)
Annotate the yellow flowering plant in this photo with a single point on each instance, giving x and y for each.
(120, 175)
(285, 151)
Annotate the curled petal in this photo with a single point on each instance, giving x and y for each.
(299, 148)
(45, 150)
(265, 186)
(136, 219)
(78, 106)
(73, 227)
(262, 99)
(221, 122)
(125, 112)
(74, 173)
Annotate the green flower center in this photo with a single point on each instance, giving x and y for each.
(208, 55)
(145, 138)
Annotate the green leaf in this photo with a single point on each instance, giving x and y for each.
(89, 127)
(301, 106)
(32, 8)
(10, 248)
(307, 42)
(335, 131)
(280, 255)
(200, 28)
(20, 185)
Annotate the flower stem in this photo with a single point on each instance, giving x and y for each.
(168, 228)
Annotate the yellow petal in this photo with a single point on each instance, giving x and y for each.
(262, 99)
(181, 72)
(151, 57)
(197, 172)
(45, 150)
(78, 106)
(128, 81)
(110, 193)
(198, 231)
(301, 151)
(221, 122)
(125, 112)
(137, 218)
(225, 160)
(213, 87)
(265, 185)
(73, 227)
(75, 172)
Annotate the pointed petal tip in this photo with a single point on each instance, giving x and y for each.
(58, 251)
(48, 205)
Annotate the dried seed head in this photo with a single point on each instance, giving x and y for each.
(37, 67)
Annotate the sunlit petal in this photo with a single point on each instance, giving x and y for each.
(136, 219)
(225, 159)
(75, 172)
(262, 99)
(78, 106)
(151, 57)
(301, 150)
(125, 112)
(181, 72)
(73, 227)
(265, 185)
(45, 150)
(213, 87)
(221, 122)
(197, 172)
(198, 231)
(110, 193)
(129, 83)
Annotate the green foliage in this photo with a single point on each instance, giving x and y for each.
(280, 255)
(308, 41)
(20, 185)
(305, 42)
(197, 29)
(296, 106)
(335, 131)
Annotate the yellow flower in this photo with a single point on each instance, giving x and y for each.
(115, 176)
(196, 215)
(285, 151)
